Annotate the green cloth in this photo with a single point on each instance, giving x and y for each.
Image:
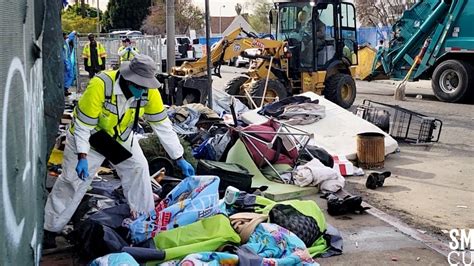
(308, 208)
(204, 235)
(276, 191)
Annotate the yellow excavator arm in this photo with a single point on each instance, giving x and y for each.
(228, 47)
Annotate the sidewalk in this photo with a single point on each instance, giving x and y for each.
(370, 241)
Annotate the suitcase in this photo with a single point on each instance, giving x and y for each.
(230, 174)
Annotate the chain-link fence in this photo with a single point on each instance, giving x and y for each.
(152, 46)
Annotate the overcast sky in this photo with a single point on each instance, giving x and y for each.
(214, 5)
(227, 11)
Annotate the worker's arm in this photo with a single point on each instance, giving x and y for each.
(86, 114)
(155, 114)
(134, 51)
(122, 51)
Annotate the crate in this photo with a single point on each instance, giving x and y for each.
(400, 123)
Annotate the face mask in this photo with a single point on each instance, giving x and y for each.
(137, 93)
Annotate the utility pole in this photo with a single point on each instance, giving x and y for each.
(208, 53)
(98, 19)
(170, 35)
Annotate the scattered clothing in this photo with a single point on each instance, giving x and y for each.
(276, 245)
(316, 173)
(213, 148)
(245, 223)
(186, 117)
(317, 152)
(275, 109)
(144, 254)
(115, 259)
(193, 199)
(221, 102)
(206, 259)
(205, 235)
(303, 113)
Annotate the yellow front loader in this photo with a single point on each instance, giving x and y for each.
(315, 50)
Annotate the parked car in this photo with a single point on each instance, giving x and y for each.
(243, 61)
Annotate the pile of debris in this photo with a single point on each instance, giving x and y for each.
(231, 212)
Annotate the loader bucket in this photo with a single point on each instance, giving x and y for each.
(366, 56)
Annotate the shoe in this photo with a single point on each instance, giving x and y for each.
(347, 205)
(375, 180)
(49, 239)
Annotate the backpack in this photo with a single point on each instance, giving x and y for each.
(305, 227)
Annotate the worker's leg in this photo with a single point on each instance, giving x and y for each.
(69, 189)
(136, 182)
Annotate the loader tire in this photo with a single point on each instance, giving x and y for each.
(341, 90)
(233, 86)
(274, 89)
(453, 81)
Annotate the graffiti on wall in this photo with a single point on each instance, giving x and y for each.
(31, 86)
(30, 76)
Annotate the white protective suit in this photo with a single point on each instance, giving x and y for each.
(69, 189)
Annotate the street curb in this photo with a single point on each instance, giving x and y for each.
(431, 242)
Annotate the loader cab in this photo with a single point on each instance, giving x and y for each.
(319, 33)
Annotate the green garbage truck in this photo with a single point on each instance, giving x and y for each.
(434, 38)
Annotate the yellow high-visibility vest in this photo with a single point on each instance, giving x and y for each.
(128, 55)
(98, 108)
(86, 53)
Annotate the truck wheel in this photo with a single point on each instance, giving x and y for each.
(341, 90)
(451, 81)
(274, 89)
(233, 86)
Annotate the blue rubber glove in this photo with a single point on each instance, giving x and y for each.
(186, 167)
(82, 169)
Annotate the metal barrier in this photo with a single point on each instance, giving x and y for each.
(148, 45)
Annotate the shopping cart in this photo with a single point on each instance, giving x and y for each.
(400, 123)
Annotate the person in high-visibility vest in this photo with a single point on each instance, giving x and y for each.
(104, 124)
(127, 52)
(94, 55)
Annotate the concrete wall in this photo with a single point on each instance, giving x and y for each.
(31, 99)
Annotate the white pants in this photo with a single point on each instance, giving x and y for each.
(69, 189)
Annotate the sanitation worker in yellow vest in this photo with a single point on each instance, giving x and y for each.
(103, 127)
(127, 52)
(94, 55)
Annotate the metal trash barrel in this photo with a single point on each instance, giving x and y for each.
(371, 150)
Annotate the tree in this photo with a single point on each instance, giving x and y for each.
(382, 13)
(238, 9)
(187, 16)
(72, 19)
(125, 14)
(258, 19)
